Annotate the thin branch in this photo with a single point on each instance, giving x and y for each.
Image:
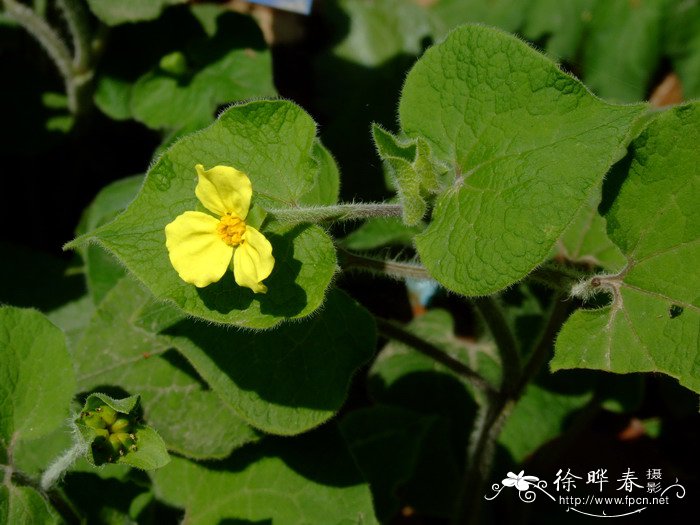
(559, 312)
(337, 212)
(395, 269)
(394, 331)
(79, 28)
(506, 344)
(489, 421)
(557, 276)
(493, 415)
(49, 40)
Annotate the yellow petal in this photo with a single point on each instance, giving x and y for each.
(196, 251)
(223, 190)
(253, 260)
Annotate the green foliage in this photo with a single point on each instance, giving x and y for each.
(174, 399)
(586, 240)
(35, 374)
(503, 176)
(305, 258)
(309, 480)
(287, 380)
(186, 76)
(504, 140)
(413, 170)
(113, 433)
(651, 324)
(123, 11)
(25, 505)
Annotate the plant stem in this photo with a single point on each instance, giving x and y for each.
(76, 81)
(480, 453)
(337, 212)
(394, 331)
(558, 314)
(506, 344)
(61, 465)
(44, 34)
(493, 415)
(79, 27)
(557, 276)
(397, 270)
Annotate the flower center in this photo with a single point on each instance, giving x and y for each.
(231, 230)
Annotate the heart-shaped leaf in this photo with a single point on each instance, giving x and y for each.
(527, 145)
(274, 143)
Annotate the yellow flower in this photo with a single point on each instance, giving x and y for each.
(202, 247)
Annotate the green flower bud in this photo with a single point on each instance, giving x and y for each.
(125, 440)
(120, 425)
(108, 414)
(94, 420)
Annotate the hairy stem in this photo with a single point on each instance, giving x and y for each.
(394, 331)
(337, 212)
(61, 465)
(493, 415)
(480, 454)
(79, 27)
(557, 276)
(506, 344)
(76, 80)
(397, 270)
(558, 314)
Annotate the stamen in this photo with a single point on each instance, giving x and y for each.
(231, 230)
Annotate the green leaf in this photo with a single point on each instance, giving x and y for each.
(560, 24)
(102, 271)
(654, 319)
(412, 169)
(25, 505)
(378, 43)
(191, 419)
(550, 403)
(36, 374)
(326, 187)
(148, 450)
(310, 479)
(527, 145)
(623, 48)
(287, 380)
(506, 14)
(586, 239)
(398, 366)
(381, 30)
(114, 12)
(273, 142)
(681, 40)
(180, 83)
(230, 66)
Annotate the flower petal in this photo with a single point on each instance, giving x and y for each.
(509, 482)
(196, 252)
(522, 485)
(223, 190)
(253, 260)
